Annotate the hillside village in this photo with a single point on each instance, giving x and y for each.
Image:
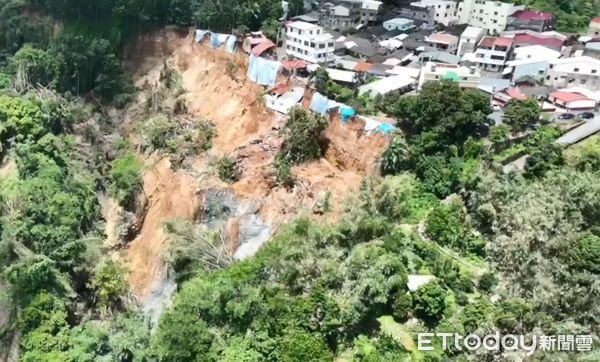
(299, 180)
(368, 48)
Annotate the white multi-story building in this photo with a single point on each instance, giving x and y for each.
(444, 10)
(370, 11)
(469, 40)
(489, 15)
(309, 42)
(580, 71)
(492, 53)
(466, 77)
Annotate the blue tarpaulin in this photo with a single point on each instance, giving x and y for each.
(200, 34)
(230, 43)
(386, 129)
(346, 113)
(319, 104)
(372, 126)
(262, 71)
(216, 40)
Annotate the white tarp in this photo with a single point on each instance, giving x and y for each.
(417, 281)
(387, 85)
(341, 75)
(283, 103)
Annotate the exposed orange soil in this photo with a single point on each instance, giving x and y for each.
(216, 89)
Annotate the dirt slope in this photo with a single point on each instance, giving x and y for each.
(216, 89)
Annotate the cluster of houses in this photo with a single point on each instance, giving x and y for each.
(501, 48)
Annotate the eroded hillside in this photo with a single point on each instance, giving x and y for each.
(215, 88)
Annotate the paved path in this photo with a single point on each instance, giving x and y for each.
(584, 131)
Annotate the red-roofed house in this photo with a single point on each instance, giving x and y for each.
(549, 39)
(571, 101)
(594, 30)
(509, 94)
(529, 39)
(492, 53)
(531, 20)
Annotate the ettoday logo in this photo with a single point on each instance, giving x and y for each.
(507, 342)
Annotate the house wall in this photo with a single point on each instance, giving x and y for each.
(450, 48)
(389, 26)
(594, 30)
(369, 15)
(490, 15)
(468, 44)
(302, 44)
(575, 74)
(535, 25)
(425, 15)
(444, 11)
(468, 79)
(576, 105)
(490, 59)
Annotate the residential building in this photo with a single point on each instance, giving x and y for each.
(535, 52)
(594, 30)
(530, 62)
(339, 17)
(421, 15)
(443, 41)
(349, 13)
(526, 69)
(582, 71)
(508, 94)
(489, 15)
(466, 77)
(309, 42)
(400, 24)
(370, 11)
(469, 40)
(571, 101)
(492, 53)
(530, 20)
(549, 39)
(444, 10)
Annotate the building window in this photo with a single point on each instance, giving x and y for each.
(547, 77)
(576, 70)
(495, 13)
(594, 71)
(495, 21)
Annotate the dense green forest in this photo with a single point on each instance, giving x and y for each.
(518, 253)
